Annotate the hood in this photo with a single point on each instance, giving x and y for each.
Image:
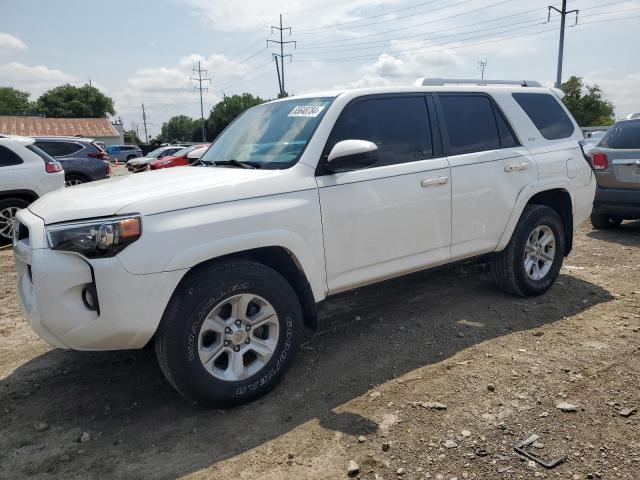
(158, 191)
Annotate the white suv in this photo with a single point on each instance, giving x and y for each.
(306, 197)
(26, 173)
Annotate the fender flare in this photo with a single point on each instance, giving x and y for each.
(523, 198)
(300, 253)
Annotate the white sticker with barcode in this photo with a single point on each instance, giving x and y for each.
(306, 111)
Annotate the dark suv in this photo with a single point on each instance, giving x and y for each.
(616, 163)
(82, 160)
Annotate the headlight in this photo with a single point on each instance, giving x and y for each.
(95, 238)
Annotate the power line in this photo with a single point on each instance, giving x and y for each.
(500, 39)
(201, 89)
(421, 49)
(402, 17)
(282, 43)
(384, 15)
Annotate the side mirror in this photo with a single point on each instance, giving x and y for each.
(351, 155)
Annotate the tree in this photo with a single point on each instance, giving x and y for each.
(131, 137)
(14, 101)
(196, 132)
(226, 111)
(67, 101)
(178, 128)
(586, 104)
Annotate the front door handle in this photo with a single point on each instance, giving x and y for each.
(432, 182)
(516, 167)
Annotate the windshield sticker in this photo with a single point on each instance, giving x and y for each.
(306, 111)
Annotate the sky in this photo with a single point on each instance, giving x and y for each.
(143, 51)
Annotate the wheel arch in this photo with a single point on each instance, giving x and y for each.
(26, 195)
(556, 197)
(282, 261)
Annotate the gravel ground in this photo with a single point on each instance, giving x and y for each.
(433, 376)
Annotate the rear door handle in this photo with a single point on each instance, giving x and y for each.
(516, 167)
(432, 182)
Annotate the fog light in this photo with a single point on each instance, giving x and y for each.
(90, 297)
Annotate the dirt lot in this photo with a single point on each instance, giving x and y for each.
(349, 395)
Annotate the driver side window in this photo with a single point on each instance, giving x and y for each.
(399, 126)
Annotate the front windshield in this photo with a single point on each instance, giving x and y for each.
(155, 153)
(183, 152)
(272, 135)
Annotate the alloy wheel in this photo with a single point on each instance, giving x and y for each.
(8, 221)
(539, 252)
(238, 337)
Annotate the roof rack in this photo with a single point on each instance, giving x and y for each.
(433, 82)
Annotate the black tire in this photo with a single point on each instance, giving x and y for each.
(508, 266)
(177, 338)
(8, 205)
(602, 221)
(72, 179)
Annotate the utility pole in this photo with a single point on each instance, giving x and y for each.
(199, 88)
(482, 64)
(563, 13)
(281, 55)
(144, 120)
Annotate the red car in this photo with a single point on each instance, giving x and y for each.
(179, 159)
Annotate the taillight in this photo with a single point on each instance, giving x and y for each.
(53, 167)
(599, 161)
(101, 155)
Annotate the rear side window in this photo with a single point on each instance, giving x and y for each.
(41, 153)
(623, 135)
(59, 149)
(399, 126)
(470, 124)
(546, 113)
(8, 157)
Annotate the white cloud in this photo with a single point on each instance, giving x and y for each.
(166, 91)
(10, 42)
(233, 15)
(34, 79)
(623, 90)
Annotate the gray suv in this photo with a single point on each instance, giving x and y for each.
(123, 153)
(616, 163)
(82, 160)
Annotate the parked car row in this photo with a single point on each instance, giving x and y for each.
(26, 173)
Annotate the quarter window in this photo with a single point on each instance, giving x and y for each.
(8, 157)
(59, 149)
(399, 126)
(546, 113)
(470, 124)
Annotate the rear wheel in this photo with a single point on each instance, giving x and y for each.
(230, 333)
(8, 209)
(71, 180)
(531, 262)
(602, 221)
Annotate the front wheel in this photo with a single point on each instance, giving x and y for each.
(229, 333)
(8, 210)
(531, 262)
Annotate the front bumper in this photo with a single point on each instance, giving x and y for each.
(50, 285)
(619, 202)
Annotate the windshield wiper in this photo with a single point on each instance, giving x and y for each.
(236, 163)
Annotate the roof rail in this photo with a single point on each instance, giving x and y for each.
(433, 82)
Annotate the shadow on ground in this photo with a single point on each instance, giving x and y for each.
(365, 338)
(627, 234)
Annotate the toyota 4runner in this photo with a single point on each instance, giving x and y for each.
(303, 198)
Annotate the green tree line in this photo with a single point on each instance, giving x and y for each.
(64, 101)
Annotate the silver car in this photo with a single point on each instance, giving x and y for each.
(616, 163)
